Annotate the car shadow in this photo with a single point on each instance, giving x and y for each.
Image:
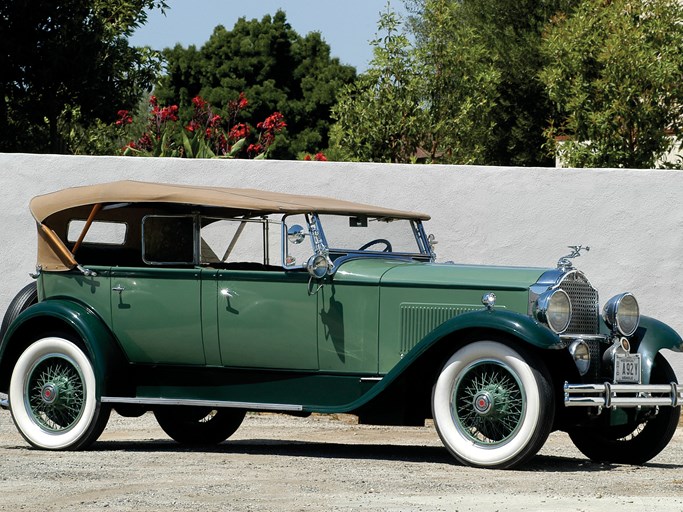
(401, 453)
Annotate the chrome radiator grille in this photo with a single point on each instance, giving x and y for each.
(584, 299)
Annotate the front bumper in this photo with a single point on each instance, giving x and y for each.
(622, 395)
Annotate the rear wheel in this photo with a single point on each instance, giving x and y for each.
(53, 398)
(492, 405)
(26, 297)
(199, 425)
(634, 443)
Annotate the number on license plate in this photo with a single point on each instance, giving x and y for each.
(627, 368)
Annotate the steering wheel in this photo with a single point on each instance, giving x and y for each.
(377, 241)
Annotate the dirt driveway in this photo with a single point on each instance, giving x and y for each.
(278, 463)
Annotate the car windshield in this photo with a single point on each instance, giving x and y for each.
(352, 233)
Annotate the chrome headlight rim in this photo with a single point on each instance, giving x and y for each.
(620, 319)
(581, 354)
(547, 306)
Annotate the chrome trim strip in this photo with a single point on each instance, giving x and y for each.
(254, 406)
(371, 379)
(4, 401)
(608, 395)
(585, 337)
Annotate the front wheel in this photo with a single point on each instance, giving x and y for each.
(634, 443)
(198, 425)
(492, 405)
(52, 396)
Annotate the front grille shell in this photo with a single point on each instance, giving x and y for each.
(583, 297)
(584, 300)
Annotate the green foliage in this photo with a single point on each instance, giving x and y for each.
(64, 64)
(498, 42)
(458, 86)
(436, 95)
(274, 66)
(615, 75)
(380, 117)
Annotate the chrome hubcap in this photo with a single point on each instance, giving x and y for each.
(50, 393)
(483, 403)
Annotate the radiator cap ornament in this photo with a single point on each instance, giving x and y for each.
(565, 262)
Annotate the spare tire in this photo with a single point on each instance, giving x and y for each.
(26, 297)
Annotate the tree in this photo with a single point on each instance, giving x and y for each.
(379, 117)
(496, 37)
(66, 63)
(436, 95)
(458, 85)
(615, 75)
(277, 69)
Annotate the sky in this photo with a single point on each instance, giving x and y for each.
(346, 25)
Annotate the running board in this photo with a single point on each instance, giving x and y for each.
(252, 406)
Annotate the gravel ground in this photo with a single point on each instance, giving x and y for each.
(321, 463)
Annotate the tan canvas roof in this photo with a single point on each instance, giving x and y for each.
(233, 198)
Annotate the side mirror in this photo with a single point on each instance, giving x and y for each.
(296, 234)
(318, 266)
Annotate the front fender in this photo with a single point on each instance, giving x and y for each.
(653, 336)
(501, 321)
(107, 358)
(508, 322)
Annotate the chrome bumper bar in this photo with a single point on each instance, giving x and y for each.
(622, 395)
(4, 401)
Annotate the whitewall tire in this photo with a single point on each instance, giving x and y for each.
(52, 396)
(492, 405)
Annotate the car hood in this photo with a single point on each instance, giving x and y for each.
(418, 274)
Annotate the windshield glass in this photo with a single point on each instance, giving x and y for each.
(352, 233)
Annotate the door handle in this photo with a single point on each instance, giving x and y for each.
(118, 288)
(227, 292)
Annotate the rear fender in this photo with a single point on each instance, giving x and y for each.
(46, 317)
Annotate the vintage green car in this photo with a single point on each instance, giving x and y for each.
(203, 303)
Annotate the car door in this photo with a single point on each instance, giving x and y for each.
(156, 309)
(265, 314)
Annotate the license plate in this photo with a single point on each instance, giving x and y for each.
(627, 368)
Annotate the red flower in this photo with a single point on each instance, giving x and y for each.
(239, 131)
(199, 103)
(145, 142)
(254, 148)
(124, 118)
(169, 113)
(234, 106)
(320, 157)
(275, 122)
(153, 101)
(307, 158)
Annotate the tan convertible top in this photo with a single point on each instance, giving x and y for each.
(54, 255)
(258, 201)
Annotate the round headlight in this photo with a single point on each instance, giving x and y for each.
(622, 313)
(554, 309)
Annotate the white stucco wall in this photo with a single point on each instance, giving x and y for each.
(631, 219)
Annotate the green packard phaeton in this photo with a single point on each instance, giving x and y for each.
(203, 303)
